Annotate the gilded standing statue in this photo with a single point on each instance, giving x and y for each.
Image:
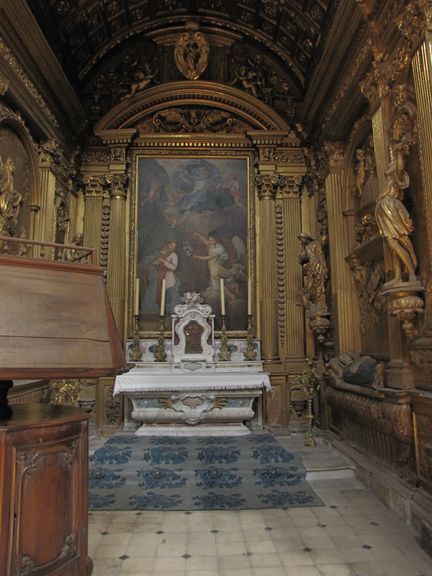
(394, 222)
(315, 275)
(10, 199)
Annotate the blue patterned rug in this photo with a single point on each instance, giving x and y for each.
(196, 473)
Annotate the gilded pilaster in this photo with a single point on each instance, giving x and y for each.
(291, 206)
(44, 221)
(117, 247)
(93, 198)
(343, 292)
(422, 72)
(267, 187)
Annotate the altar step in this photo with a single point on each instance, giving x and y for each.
(323, 463)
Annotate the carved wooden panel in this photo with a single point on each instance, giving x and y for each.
(43, 489)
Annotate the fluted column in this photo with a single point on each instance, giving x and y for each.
(344, 306)
(44, 209)
(117, 248)
(93, 198)
(267, 187)
(292, 285)
(422, 72)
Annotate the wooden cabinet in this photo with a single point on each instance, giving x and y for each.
(43, 489)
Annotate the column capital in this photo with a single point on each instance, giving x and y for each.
(93, 185)
(268, 185)
(332, 159)
(117, 183)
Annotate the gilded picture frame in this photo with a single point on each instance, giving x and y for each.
(192, 220)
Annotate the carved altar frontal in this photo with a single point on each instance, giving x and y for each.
(194, 392)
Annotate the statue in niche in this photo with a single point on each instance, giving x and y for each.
(394, 222)
(10, 199)
(314, 275)
(191, 52)
(359, 171)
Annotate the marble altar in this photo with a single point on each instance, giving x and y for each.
(194, 392)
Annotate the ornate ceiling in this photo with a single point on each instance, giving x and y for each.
(83, 33)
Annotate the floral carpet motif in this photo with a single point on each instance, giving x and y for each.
(196, 473)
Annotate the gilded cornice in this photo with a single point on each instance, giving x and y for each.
(131, 112)
(349, 78)
(9, 58)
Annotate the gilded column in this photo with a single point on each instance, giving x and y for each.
(44, 208)
(422, 72)
(343, 291)
(292, 215)
(93, 198)
(267, 187)
(117, 248)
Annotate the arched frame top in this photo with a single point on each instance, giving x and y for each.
(254, 113)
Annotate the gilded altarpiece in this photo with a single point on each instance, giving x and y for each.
(191, 170)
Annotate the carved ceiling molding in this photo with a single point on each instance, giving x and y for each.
(9, 58)
(129, 113)
(83, 32)
(348, 81)
(4, 85)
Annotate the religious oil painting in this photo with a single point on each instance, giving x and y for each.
(192, 232)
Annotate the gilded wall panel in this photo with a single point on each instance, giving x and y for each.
(13, 149)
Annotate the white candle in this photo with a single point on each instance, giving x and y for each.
(222, 296)
(249, 297)
(162, 302)
(137, 298)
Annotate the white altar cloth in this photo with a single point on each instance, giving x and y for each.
(139, 381)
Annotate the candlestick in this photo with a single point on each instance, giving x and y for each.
(222, 296)
(135, 353)
(137, 299)
(162, 302)
(249, 297)
(159, 351)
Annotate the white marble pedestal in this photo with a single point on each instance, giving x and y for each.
(215, 403)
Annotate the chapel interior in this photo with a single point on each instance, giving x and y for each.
(296, 137)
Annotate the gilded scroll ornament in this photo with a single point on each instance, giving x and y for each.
(191, 52)
(10, 199)
(394, 222)
(4, 85)
(193, 121)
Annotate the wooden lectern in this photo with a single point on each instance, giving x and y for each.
(55, 322)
